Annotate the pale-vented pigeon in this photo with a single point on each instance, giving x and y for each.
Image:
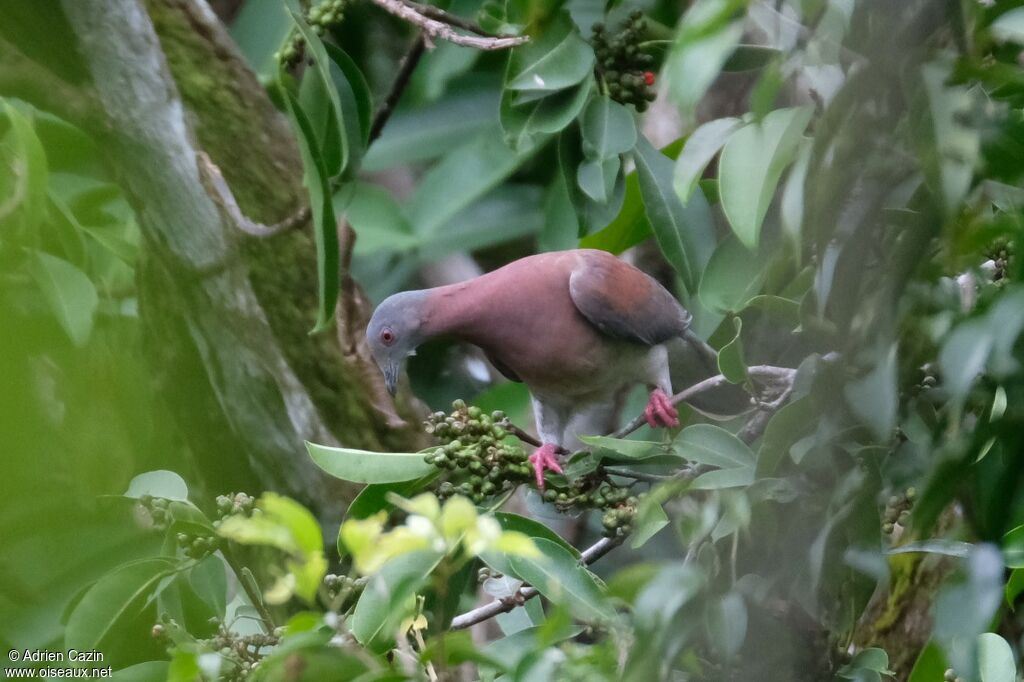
(579, 328)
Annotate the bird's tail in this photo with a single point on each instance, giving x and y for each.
(692, 360)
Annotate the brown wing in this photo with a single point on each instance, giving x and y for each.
(624, 302)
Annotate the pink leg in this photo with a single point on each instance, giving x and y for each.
(545, 457)
(660, 411)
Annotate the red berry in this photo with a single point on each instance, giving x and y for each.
(649, 77)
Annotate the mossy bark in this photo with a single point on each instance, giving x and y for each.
(238, 126)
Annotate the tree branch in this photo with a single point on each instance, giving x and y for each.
(487, 611)
(768, 374)
(458, 22)
(435, 28)
(401, 82)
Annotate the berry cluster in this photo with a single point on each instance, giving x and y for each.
(320, 18)
(234, 503)
(480, 461)
(343, 585)
(1001, 254)
(157, 510)
(242, 652)
(595, 493)
(897, 511)
(197, 546)
(621, 66)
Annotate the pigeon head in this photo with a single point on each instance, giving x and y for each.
(394, 332)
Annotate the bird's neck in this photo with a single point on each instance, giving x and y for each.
(457, 310)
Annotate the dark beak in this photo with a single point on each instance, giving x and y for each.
(391, 370)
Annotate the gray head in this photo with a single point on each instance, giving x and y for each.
(394, 332)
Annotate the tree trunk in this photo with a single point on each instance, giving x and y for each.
(226, 317)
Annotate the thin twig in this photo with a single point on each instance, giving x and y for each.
(219, 191)
(434, 28)
(765, 373)
(492, 609)
(401, 82)
(458, 22)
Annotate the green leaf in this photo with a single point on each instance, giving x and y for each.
(325, 228)
(597, 178)
(608, 129)
(209, 581)
(650, 518)
(533, 529)
(1009, 26)
(930, 665)
(23, 180)
(733, 275)
(724, 478)
(1013, 548)
(387, 597)
(1014, 586)
(874, 397)
(363, 466)
(730, 358)
(378, 220)
(950, 150)
(526, 125)
(561, 225)
(626, 450)
(684, 233)
(963, 356)
(374, 497)
(706, 37)
(558, 59)
(708, 444)
(791, 208)
(118, 596)
(150, 671)
(334, 161)
(701, 146)
(752, 163)
(995, 659)
(160, 483)
(727, 623)
(462, 177)
(359, 90)
(68, 291)
(784, 429)
(559, 577)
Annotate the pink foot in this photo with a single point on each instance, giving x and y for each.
(660, 411)
(545, 457)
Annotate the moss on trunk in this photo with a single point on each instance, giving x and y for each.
(236, 123)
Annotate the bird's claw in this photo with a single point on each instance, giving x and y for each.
(544, 457)
(660, 411)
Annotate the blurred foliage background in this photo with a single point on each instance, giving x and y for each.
(200, 204)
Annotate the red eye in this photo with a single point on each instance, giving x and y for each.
(387, 337)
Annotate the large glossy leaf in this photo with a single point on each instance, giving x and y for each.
(387, 597)
(559, 576)
(363, 466)
(706, 37)
(701, 146)
(334, 143)
(317, 181)
(995, 659)
(874, 397)
(626, 450)
(116, 597)
(713, 445)
(597, 178)
(733, 276)
(462, 177)
(159, 483)
(608, 129)
(558, 59)
(731, 363)
(68, 291)
(561, 225)
(23, 178)
(527, 124)
(752, 163)
(684, 233)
